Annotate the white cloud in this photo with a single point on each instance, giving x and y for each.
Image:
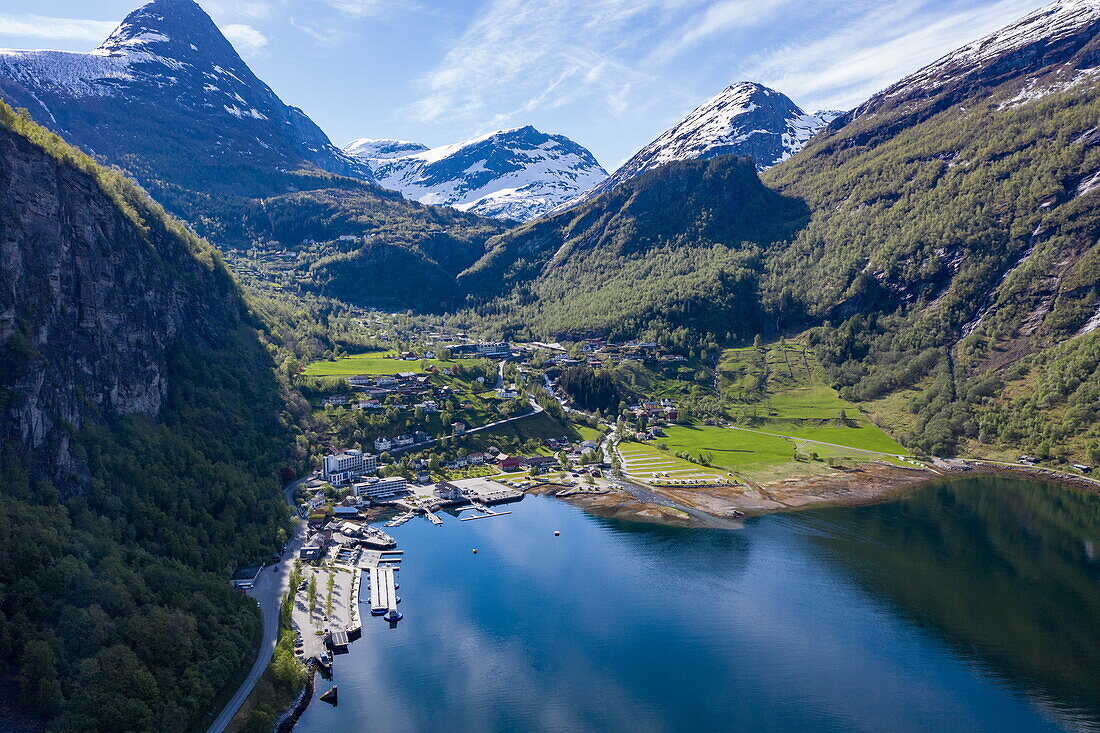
(359, 8)
(844, 68)
(245, 38)
(720, 17)
(65, 29)
(253, 10)
(520, 56)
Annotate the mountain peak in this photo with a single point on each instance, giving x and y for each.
(746, 118)
(179, 30)
(514, 173)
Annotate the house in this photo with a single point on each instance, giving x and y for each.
(346, 238)
(541, 462)
(314, 549)
(385, 380)
(370, 405)
(383, 444)
(477, 459)
(343, 468)
(494, 348)
(1081, 467)
(360, 380)
(333, 400)
(429, 354)
(459, 427)
(459, 462)
(657, 432)
(509, 463)
(507, 393)
(447, 491)
(381, 488)
(402, 441)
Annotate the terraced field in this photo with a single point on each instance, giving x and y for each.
(645, 462)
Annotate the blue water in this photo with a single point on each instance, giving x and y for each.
(969, 605)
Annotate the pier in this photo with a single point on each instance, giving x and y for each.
(484, 516)
(383, 591)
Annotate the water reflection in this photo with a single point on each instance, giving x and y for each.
(966, 606)
(1005, 570)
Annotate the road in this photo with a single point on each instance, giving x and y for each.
(268, 592)
(536, 408)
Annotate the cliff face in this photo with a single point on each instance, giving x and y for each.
(93, 297)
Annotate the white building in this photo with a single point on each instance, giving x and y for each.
(381, 488)
(382, 444)
(343, 468)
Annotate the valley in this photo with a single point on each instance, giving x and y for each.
(778, 343)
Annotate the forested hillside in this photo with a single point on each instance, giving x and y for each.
(680, 246)
(952, 239)
(941, 241)
(143, 427)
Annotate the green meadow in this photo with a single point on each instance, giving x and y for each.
(376, 363)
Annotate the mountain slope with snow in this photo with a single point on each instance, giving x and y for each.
(743, 119)
(167, 97)
(1045, 51)
(510, 174)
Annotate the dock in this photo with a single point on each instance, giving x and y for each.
(383, 591)
(484, 516)
(398, 521)
(433, 518)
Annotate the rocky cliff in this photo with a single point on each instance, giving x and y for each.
(97, 286)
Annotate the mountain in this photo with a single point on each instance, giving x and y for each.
(677, 246)
(743, 119)
(168, 98)
(947, 269)
(141, 428)
(510, 174)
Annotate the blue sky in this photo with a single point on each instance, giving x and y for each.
(611, 74)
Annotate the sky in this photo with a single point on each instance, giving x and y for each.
(610, 74)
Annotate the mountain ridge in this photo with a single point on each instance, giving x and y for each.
(746, 118)
(168, 61)
(517, 173)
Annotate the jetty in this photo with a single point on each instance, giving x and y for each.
(483, 516)
(383, 591)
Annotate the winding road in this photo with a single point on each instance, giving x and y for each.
(270, 588)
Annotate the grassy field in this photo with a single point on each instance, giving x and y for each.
(781, 389)
(732, 450)
(377, 362)
(538, 427)
(588, 433)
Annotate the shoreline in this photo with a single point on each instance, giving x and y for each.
(865, 484)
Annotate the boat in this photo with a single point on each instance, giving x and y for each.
(393, 615)
(377, 611)
(331, 697)
(374, 537)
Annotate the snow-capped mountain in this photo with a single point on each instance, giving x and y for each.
(1050, 49)
(510, 174)
(743, 119)
(372, 149)
(167, 97)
